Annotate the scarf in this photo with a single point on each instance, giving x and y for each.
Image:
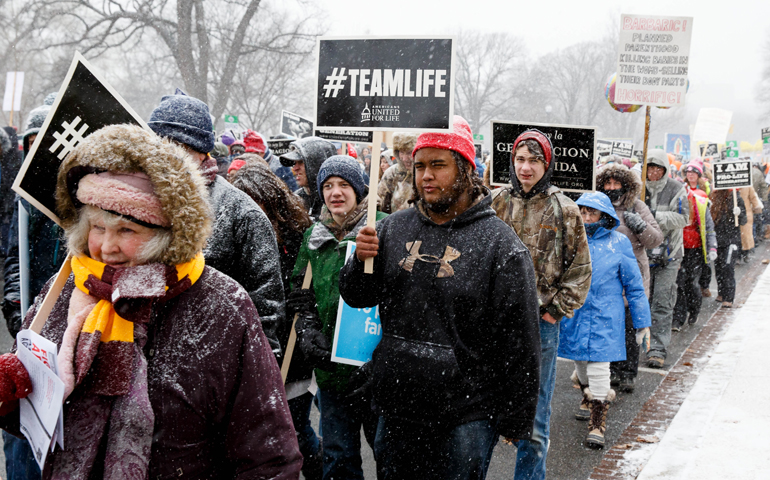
(102, 353)
(355, 216)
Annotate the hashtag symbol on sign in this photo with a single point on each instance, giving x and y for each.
(69, 139)
(335, 82)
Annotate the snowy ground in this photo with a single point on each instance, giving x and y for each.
(722, 429)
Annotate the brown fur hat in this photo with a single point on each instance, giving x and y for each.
(626, 177)
(404, 142)
(175, 179)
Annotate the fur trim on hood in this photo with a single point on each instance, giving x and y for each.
(175, 179)
(630, 181)
(404, 142)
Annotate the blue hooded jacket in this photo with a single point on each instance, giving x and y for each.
(596, 332)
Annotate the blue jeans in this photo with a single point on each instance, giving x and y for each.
(306, 437)
(342, 423)
(407, 450)
(531, 454)
(20, 463)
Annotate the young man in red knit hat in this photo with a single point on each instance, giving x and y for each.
(551, 227)
(457, 365)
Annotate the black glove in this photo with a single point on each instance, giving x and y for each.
(313, 343)
(634, 222)
(300, 301)
(359, 392)
(12, 315)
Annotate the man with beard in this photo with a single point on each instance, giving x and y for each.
(551, 227)
(457, 365)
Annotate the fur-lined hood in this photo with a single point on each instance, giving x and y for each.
(627, 178)
(403, 142)
(175, 179)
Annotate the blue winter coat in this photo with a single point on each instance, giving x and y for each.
(596, 332)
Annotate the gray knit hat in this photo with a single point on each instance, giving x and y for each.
(35, 121)
(346, 168)
(185, 120)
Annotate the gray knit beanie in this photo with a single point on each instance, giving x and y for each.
(346, 168)
(185, 120)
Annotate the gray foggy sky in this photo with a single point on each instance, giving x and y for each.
(725, 56)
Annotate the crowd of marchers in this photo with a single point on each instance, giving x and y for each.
(189, 254)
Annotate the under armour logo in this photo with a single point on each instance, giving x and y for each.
(63, 139)
(445, 270)
(335, 83)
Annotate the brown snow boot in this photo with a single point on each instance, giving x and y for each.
(584, 412)
(597, 424)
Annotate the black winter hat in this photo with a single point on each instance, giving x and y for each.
(345, 167)
(184, 119)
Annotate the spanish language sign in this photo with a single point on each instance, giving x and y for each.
(653, 60)
(385, 83)
(574, 157)
(358, 330)
(732, 174)
(280, 147)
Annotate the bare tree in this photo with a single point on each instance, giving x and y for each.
(206, 40)
(488, 66)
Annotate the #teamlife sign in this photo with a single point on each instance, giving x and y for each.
(385, 83)
(358, 330)
(574, 154)
(733, 174)
(653, 60)
(85, 103)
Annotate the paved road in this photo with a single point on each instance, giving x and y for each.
(568, 458)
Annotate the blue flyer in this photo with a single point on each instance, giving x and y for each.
(357, 332)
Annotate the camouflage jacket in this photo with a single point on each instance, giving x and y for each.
(551, 227)
(395, 189)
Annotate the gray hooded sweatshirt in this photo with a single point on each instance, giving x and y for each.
(667, 200)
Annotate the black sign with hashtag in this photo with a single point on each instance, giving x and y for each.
(83, 106)
(385, 84)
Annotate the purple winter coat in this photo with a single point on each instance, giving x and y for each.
(214, 385)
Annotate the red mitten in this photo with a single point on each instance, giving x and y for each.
(14, 382)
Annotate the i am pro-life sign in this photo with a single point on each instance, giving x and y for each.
(385, 83)
(732, 174)
(358, 330)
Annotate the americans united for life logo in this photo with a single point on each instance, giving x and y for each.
(366, 114)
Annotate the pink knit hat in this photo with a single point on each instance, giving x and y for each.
(129, 195)
(460, 139)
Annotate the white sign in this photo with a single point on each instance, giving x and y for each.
(14, 82)
(712, 126)
(653, 60)
(40, 414)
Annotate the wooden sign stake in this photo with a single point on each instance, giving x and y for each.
(50, 298)
(644, 151)
(293, 334)
(735, 204)
(374, 180)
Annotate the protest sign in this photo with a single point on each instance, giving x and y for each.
(712, 125)
(232, 122)
(766, 141)
(731, 149)
(295, 126)
(678, 144)
(385, 83)
(85, 103)
(358, 136)
(623, 149)
(603, 148)
(14, 84)
(40, 413)
(709, 150)
(732, 174)
(574, 150)
(639, 154)
(358, 330)
(653, 60)
(477, 137)
(280, 147)
(478, 148)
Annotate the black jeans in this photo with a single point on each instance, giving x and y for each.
(629, 367)
(688, 295)
(725, 272)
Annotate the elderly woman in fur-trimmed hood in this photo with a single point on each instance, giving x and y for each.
(166, 369)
